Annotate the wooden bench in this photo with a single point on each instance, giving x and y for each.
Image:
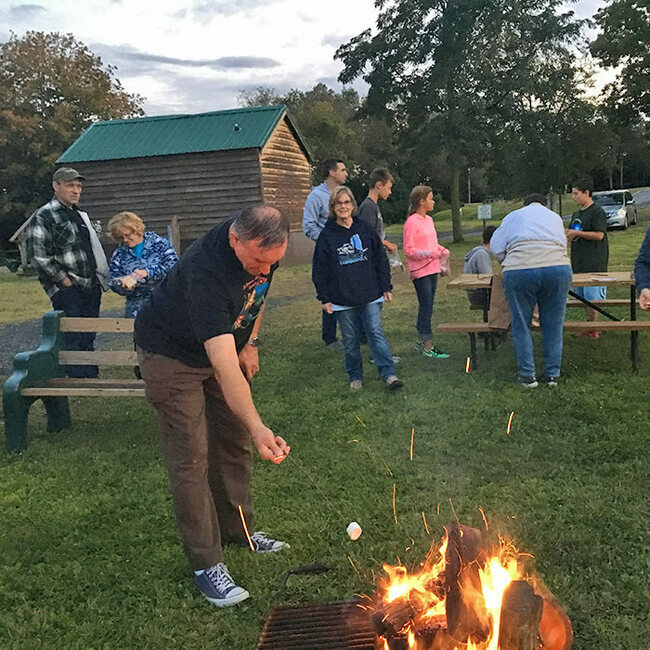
(609, 302)
(634, 326)
(40, 374)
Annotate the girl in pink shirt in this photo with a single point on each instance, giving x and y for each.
(423, 255)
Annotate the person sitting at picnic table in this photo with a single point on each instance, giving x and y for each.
(479, 262)
(423, 255)
(531, 245)
(352, 278)
(642, 273)
(139, 264)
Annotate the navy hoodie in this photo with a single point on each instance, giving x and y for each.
(350, 267)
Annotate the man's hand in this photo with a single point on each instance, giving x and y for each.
(270, 446)
(249, 361)
(67, 282)
(389, 246)
(571, 234)
(388, 296)
(140, 274)
(644, 299)
(327, 306)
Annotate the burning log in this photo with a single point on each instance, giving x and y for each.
(393, 617)
(465, 605)
(521, 613)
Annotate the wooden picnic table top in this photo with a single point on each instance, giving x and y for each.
(483, 281)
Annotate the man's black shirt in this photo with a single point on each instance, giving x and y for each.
(208, 293)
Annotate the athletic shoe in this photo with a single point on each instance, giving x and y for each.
(435, 353)
(549, 381)
(527, 382)
(419, 345)
(357, 384)
(217, 585)
(396, 360)
(334, 345)
(393, 382)
(264, 544)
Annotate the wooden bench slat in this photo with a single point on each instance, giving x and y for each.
(44, 391)
(610, 325)
(98, 358)
(74, 382)
(72, 324)
(609, 301)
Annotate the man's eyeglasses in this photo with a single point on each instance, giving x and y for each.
(342, 204)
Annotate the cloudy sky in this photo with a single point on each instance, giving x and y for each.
(196, 55)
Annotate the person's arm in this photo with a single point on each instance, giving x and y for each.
(591, 235)
(642, 273)
(389, 246)
(222, 354)
(161, 260)
(499, 242)
(310, 224)
(40, 252)
(320, 274)
(413, 248)
(382, 267)
(248, 356)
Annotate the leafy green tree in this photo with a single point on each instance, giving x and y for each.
(624, 41)
(451, 72)
(51, 88)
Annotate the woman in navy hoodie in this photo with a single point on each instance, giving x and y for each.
(352, 279)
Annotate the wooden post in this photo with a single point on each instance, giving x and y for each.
(174, 234)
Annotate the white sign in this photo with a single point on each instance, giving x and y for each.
(485, 212)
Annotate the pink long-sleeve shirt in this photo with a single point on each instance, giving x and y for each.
(421, 247)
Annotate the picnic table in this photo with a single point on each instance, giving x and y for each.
(613, 278)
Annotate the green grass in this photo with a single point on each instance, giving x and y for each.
(89, 552)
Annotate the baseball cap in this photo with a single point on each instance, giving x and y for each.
(67, 174)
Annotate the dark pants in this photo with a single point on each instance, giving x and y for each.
(329, 328)
(208, 456)
(82, 303)
(425, 288)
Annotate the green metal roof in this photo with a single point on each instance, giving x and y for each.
(240, 128)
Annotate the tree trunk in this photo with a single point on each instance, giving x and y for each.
(456, 222)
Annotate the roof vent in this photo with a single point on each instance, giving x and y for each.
(236, 128)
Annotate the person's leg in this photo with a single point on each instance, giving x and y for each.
(552, 297)
(371, 320)
(521, 288)
(230, 463)
(176, 392)
(77, 303)
(424, 290)
(328, 328)
(351, 328)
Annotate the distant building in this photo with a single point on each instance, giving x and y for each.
(199, 168)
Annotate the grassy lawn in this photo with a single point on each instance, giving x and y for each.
(89, 552)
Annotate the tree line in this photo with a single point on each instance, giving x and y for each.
(488, 97)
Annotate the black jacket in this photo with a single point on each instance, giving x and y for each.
(350, 267)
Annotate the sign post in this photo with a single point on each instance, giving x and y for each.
(484, 213)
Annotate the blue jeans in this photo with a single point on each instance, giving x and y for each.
(356, 321)
(548, 286)
(425, 288)
(328, 328)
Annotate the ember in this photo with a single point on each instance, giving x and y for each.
(470, 596)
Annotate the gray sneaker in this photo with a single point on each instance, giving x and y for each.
(264, 544)
(393, 382)
(217, 585)
(356, 384)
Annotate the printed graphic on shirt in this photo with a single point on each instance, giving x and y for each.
(353, 252)
(255, 294)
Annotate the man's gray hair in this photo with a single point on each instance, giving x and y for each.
(264, 224)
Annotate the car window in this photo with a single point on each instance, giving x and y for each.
(628, 197)
(608, 199)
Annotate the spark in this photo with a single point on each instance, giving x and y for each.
(438, 509)
(394, 509)
(467, 364)
(484, 518)
(412, 435)
(363, 424)
(243, 521)
(512, 415)
(355, 567)
(424, 520)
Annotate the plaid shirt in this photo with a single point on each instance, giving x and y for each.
(55, 250)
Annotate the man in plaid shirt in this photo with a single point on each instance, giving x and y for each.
(64, 248)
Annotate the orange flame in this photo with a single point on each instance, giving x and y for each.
(467, 364)
(243, 521)
(394, 509)
(512, 415)
(412, 434)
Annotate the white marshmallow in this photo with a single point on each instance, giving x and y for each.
(353, 530)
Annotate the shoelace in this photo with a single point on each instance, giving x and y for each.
(262, 540)
(219, 576)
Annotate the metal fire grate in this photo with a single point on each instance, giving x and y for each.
(327, 626)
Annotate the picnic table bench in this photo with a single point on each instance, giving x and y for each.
(40, 374)
(614, 324)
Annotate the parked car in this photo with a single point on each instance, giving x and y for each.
(619, 206)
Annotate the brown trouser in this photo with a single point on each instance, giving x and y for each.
(207, 452)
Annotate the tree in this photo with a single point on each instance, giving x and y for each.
(625, 41)
(51, 88)
(450, 73)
